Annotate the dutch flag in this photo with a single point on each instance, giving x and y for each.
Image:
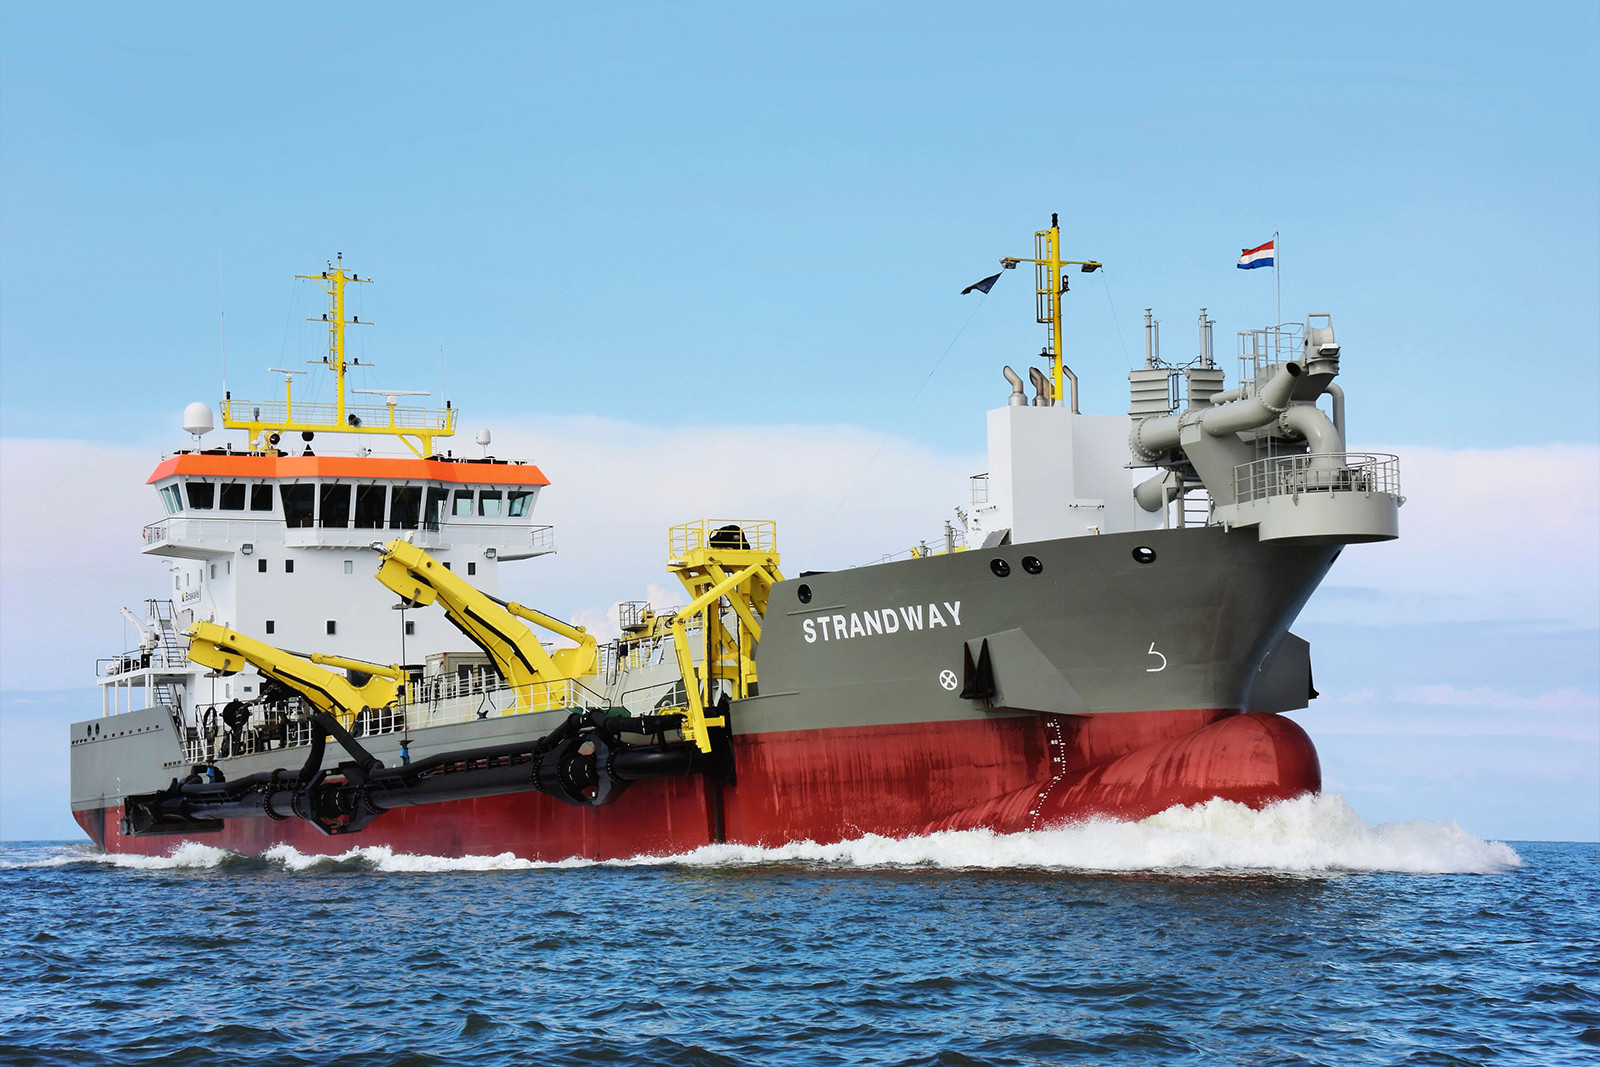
(1259, 256)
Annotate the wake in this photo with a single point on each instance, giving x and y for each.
(1309, 835)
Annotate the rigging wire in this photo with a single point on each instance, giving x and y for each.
(283, 347)
(904, 412)
(1115, 321)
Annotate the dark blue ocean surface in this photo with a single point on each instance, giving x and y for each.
(1187, 947)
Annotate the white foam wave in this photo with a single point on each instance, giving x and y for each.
(189, 855)
(383, 858)
(1308, 835)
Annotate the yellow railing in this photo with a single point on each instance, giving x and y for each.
(278, 413)
(754, 535)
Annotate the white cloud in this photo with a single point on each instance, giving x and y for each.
(70, 516)
(616, 487)
(1567, 698)
(1485, 534)
(69, 528)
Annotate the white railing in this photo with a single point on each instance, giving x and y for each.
(204, 530)
(192, 531)
(138, 660)
(1339, 472)
(1263, 350)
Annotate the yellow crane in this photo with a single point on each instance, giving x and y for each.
(228, 651)
(542, 681)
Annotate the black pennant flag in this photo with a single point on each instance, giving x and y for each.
(983, 286)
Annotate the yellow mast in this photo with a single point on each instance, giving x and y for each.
(267, 422)
(333, 282)
(1047, 263)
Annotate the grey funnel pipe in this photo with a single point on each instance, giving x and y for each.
(1019, 396)
(1154, 436)
(1041, 388)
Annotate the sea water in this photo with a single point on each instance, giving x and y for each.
(1208, 935)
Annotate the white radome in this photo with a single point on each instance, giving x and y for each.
(197, 419)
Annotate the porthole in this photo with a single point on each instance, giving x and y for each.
(1144, 554)
(804, 593)
(1000, 567)
(1031, 564)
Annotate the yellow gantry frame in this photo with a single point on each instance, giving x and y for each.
(538, 678)
(1048, 263)
(333, 281)
(745, 576)
(227, 651)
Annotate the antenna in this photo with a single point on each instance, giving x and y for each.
(391, 394)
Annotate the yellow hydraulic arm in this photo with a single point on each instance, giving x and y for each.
(695, 723)
(537, 677)
(227, 651)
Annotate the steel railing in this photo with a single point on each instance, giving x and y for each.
(1338, 472)
(288, 725)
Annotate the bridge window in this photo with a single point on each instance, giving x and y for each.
(460, 505)
(335, 505)
(231, 497)
(299, 502)
(519, 502)
(472, 568)
(271, 626)
(369, 506)
(170, 499)
(433, 511)
(491, 503)
(404, 504)
(201, 495)
(332, 626)
(261, 498)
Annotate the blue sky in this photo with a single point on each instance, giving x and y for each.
(698, 216)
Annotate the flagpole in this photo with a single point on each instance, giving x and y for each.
(1277, 278)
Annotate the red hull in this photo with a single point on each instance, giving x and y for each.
(1004, 774)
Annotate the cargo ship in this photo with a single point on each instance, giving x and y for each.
(1103, 630)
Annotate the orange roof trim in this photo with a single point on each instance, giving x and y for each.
(356, 467)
